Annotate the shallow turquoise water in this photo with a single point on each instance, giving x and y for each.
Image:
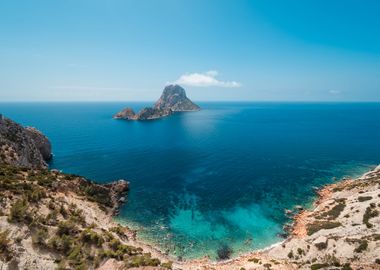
(223, 175)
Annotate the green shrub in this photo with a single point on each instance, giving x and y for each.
(169, 265)
(119, 230)
(46, 181)
(66, 228)
(362, 246)
(143, 260)
(39, 237)
(369, 213)
(300, 251)
(321, 245)
(364, 198)
(61, 244)
(63, 211)
(4, 242)
(346, 266)
(51, 218)
(96, 193)
(267, 265)
(76, 215)
(18, 212)
(319, 225)
(334, 212)
(5, 252)
(89, 236)
(75, 254)
(317, 266)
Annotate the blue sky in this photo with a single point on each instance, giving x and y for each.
(113, 50)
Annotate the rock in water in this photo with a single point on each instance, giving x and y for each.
(127, 113)
(23, 147)
(173, 99)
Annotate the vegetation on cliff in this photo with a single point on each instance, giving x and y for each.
(47, 210)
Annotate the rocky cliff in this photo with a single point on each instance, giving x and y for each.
(51, 220)
(23, 147)
(41, 141)
(173, 99)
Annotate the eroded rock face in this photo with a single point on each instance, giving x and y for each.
(173, 99)
(23, 147)
(42, 142)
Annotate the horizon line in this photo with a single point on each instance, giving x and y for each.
(213, 101)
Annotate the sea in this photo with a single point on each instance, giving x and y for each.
(220, 177)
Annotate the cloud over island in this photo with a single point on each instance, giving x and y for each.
(204, 80)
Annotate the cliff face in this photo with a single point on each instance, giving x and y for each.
(23, 147)
(173, 99)
(41, 141)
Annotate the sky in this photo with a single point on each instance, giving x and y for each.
(218, 50)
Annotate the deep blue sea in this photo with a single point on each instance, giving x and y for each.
(221, 176)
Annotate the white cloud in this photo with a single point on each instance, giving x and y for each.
(205, 79)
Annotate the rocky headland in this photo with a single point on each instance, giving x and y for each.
(173, 99)
(23, 147)
(52, 220)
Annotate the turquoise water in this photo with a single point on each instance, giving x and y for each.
(221, 176)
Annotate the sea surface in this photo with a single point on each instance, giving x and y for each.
(220, 176)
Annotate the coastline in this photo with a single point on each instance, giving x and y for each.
(342, 229)
(264, 255)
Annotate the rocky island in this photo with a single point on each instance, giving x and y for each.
(173, 99)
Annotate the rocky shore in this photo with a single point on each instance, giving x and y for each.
(342, 231)
(173, 99)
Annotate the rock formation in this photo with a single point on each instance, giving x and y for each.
(173, 99)
(23, 147)
(127, 113)
(42, 142)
